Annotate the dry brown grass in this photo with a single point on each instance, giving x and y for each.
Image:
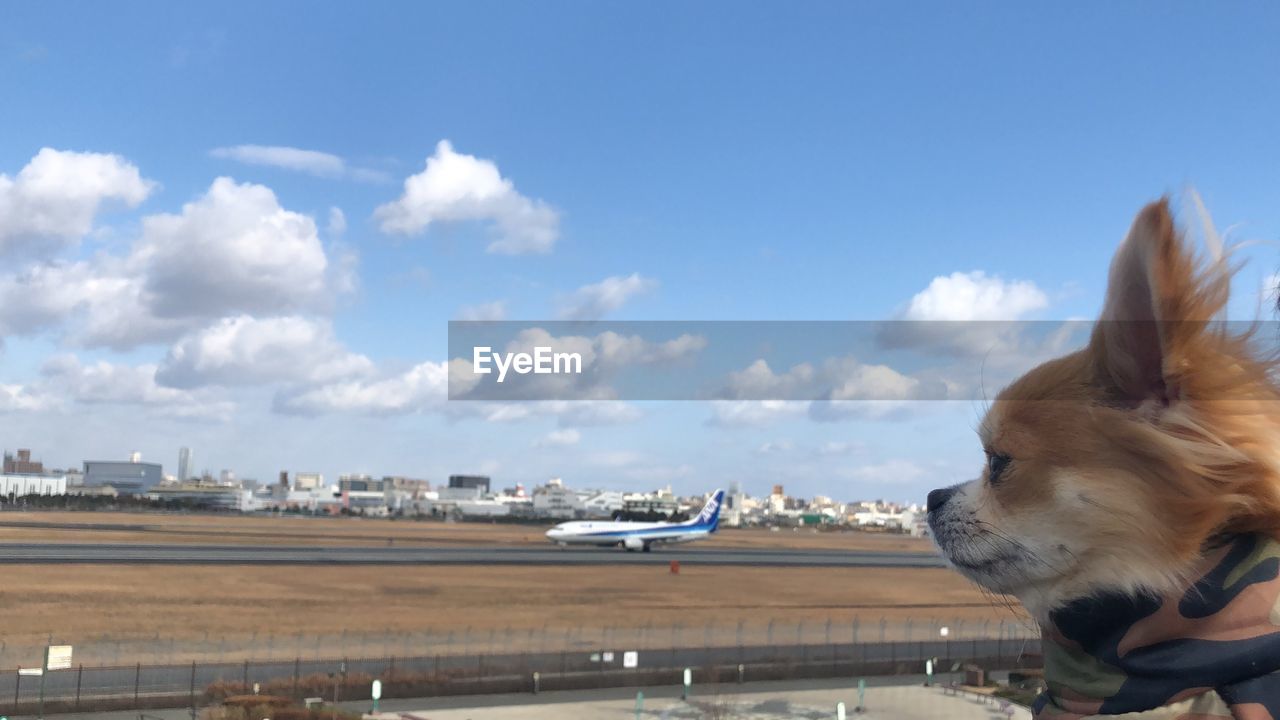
(118, 613)
(79, 601)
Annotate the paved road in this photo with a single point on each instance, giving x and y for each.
(125, 553)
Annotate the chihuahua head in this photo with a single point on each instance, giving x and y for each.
(1111, 469)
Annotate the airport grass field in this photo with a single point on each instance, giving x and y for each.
(82, 602)
(154, 528)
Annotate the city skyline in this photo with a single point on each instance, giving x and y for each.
(249, 243)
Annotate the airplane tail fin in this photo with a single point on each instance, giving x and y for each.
(710, 514)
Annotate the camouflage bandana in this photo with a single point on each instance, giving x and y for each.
(1208, 653)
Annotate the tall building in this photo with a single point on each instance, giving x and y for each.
(22, 464)
(470, 481)
(184, 463)
(731, 513)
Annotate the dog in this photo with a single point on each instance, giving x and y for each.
(1130, 499)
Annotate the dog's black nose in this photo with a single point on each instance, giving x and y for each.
(939, 497)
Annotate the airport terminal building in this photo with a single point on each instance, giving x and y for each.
(128, 478)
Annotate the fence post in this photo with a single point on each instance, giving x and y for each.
(137, 681)
(297, 670)
(79, 676)
(741, 651)
(17, 685)
(193, 689)
(831, 646)
(245, 682)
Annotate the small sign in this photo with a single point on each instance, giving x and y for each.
(608, 657)
(688, 677)
(944, 631)
(630, 659)
(59, 657)
(840, 711)
(377, 689)
(31, 671)
(595, 657)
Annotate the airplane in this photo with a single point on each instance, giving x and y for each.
(639, 535)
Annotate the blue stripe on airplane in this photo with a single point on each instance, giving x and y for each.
(675, 530)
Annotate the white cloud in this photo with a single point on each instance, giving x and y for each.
(496, 310)
(592, 302)
(100, 302)
(369, 175)
(560, 438)
(21, 398)
(617, 350)
(232, 250)
(759, 381)
(839, 447)
(968, 315)
(772, 447)
(751, 413)
(53, 200)
(975, 296)
(842, 378)
(588, 414)
(106, 383)
(603, 357)
(463, 188)
(243, 351)
(568, 413)
(312, 162)
(337, 222)
(422, 387)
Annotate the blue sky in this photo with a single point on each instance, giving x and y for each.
(718, 160)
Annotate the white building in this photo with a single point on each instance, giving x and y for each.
(205, 494)
(19, 485)
(603, 504)
(371, 503)
(556, 501)
(483, 508)
(307, 481)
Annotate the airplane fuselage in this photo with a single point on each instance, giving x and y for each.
(606, 533)
(639, 535)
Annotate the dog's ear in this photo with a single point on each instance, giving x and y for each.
(1157, 304)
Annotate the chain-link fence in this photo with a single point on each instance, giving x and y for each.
(459, 662)
(26, 651)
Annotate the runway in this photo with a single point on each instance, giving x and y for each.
(136, 554)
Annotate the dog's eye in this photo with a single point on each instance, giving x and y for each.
(996, 463)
